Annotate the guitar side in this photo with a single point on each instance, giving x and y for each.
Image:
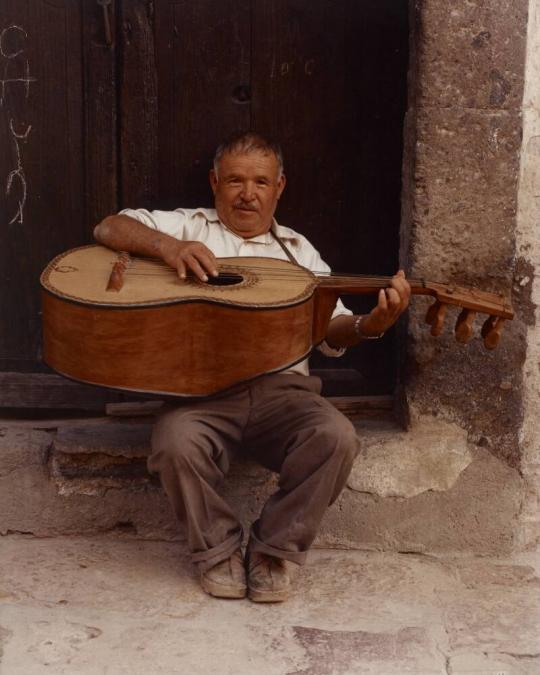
(162, 335)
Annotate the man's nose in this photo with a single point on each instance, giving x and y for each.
(248, 191)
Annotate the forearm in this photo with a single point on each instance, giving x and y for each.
(347, 331)
(123, 233)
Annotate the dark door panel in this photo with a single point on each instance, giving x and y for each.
(57, 171)
(203, 59)
(329, 80)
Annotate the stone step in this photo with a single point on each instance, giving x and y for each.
(426, 489)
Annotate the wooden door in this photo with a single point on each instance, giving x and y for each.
(326, 79)
(88, 127)
(58, 164)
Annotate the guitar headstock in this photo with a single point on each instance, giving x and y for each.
(472, 301)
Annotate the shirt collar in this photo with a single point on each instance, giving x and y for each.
(209, 214)
(283, 232)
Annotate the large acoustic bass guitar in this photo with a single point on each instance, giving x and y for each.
(131, 323)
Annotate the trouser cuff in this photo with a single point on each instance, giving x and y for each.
(255, 544)
(207, 559)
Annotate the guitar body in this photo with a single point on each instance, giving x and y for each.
(161, 334)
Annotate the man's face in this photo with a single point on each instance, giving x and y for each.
(246, 190)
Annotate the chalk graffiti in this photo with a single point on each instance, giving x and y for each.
(15, 80)
(13, 56)
(18, 172)
(3, 50)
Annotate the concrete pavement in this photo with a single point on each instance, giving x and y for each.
(113, 605)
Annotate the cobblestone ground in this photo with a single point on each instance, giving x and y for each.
(110, 605)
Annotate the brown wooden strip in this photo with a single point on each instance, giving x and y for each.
(133, 408)
(43, 390)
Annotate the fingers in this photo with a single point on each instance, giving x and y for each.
(382, 303)
(200, 265)
(181, 269)
(391, 303)
(400, 286)
(195, 266)
(207, 261)
(393, 299)
(198, 258)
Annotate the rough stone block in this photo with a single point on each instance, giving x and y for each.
(34, 499)
(466, 173)
(472, 53)
(430, 456)
(478, 389)
(120, 439)
(478, 513)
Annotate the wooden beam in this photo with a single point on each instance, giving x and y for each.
(44, 390)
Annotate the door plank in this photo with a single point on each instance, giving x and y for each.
(100, 116)
(138, 91)
(41, 169)
(44, 390)
(329, 82)
(203, 54)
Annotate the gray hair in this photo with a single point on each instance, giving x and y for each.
(246, 142)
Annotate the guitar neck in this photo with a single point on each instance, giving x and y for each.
(447, 294)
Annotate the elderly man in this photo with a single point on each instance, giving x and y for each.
(280, 419)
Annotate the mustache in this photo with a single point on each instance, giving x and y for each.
(244, 205)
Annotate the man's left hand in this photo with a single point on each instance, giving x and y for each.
(392, 302)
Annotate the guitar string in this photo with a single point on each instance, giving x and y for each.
(150, 264)
(266, 270)
(270, 272)
(159, 268)
(359, 280)
(344, 281)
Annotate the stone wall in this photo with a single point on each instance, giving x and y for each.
(464, 130)
(528, 252)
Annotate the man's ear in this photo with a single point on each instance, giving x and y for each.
(213, 180)
(281, 184)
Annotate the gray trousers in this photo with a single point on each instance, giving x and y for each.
(282, 422)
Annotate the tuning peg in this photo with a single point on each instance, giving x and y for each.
(464, 325)
(491, 331)
(435, 317)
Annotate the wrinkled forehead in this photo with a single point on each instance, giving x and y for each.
(252, 158)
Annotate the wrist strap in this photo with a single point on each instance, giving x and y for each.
(359, 332)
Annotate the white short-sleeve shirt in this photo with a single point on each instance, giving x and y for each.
(205, 226)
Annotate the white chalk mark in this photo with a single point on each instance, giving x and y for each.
(9, 80)
(12, 55)
(18, 173)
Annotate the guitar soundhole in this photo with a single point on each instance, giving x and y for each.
(228, 279)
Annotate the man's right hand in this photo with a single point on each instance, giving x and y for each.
(123, 233)
(189, 255)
